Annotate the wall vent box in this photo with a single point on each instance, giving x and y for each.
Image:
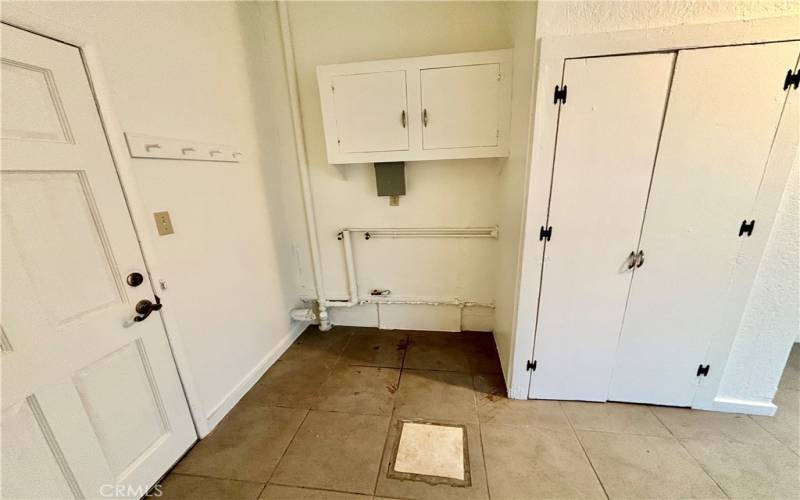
(390, 178)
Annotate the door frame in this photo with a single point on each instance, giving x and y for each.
(552, 53)
(17, 16)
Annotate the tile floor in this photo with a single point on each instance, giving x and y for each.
(320, 422)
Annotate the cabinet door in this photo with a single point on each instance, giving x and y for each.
(606, 147)
(724, 109)
(371, 112)
(460, 106)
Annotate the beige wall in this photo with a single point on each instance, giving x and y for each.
(200, 71)
(512, 189)
(439, 193)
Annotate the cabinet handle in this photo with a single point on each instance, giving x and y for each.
(424, 117)
(403, 118)
(640, 259)
(632, 260)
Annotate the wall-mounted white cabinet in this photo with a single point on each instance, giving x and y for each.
(422, 108)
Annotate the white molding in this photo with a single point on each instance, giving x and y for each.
(732, 405)
(16, 15)
(248, 381)
(552, 53)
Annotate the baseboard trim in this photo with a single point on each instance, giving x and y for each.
(234, 395)
(733, 405)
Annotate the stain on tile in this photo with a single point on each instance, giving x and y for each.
(436, 395)
(634, 466)
(614, 417)
(246, 445)
(292, 384)
(765, 470)
(359, 389)
(335, 451)
(525, 462)
(494, 407)
(182, 487)
(373, 347)
(444, 351)
(697, 424)
(276, 492)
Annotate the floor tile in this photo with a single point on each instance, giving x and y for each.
(633, 466)
(359, 389)
(400, 488)
(293, 384)
(785, 424)
(766, 470)
(276, 492)
(614, 417)
(181, 487)
(373, 347)
(336, 451)
(246, 445)
(697, 424)
(436, 395)
(495, 407)
(442, 351)
(482, 352)
(525, 462)
(321, 348)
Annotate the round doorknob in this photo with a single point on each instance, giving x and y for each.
(135, 279)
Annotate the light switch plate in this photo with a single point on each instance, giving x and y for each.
(163, 223)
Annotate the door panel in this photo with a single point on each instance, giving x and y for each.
(90, 398)
(461, 106)
(370, 111)
(607, 138)
(723, 113)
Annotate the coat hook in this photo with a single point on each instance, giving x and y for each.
(185, 150)
(148, 147)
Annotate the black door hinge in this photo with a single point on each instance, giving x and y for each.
(747, 227)
(703, 370)
(531, 366)
(545, 233)
(791, 79)
(560, 94)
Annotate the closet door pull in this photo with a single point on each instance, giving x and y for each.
(640, 259)
(632, 260)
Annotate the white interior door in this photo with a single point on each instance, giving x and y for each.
(92, 405)
(607, 138)
(460, 106)
(371, 112)
(723, 113)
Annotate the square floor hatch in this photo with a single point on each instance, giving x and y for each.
(432, 452)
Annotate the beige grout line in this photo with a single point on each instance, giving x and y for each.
(297, 431)
(689, 453)
(583, 448)
(480, 436)
(750, 417)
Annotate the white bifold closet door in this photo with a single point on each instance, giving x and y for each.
(724, 111)
(607, 139)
